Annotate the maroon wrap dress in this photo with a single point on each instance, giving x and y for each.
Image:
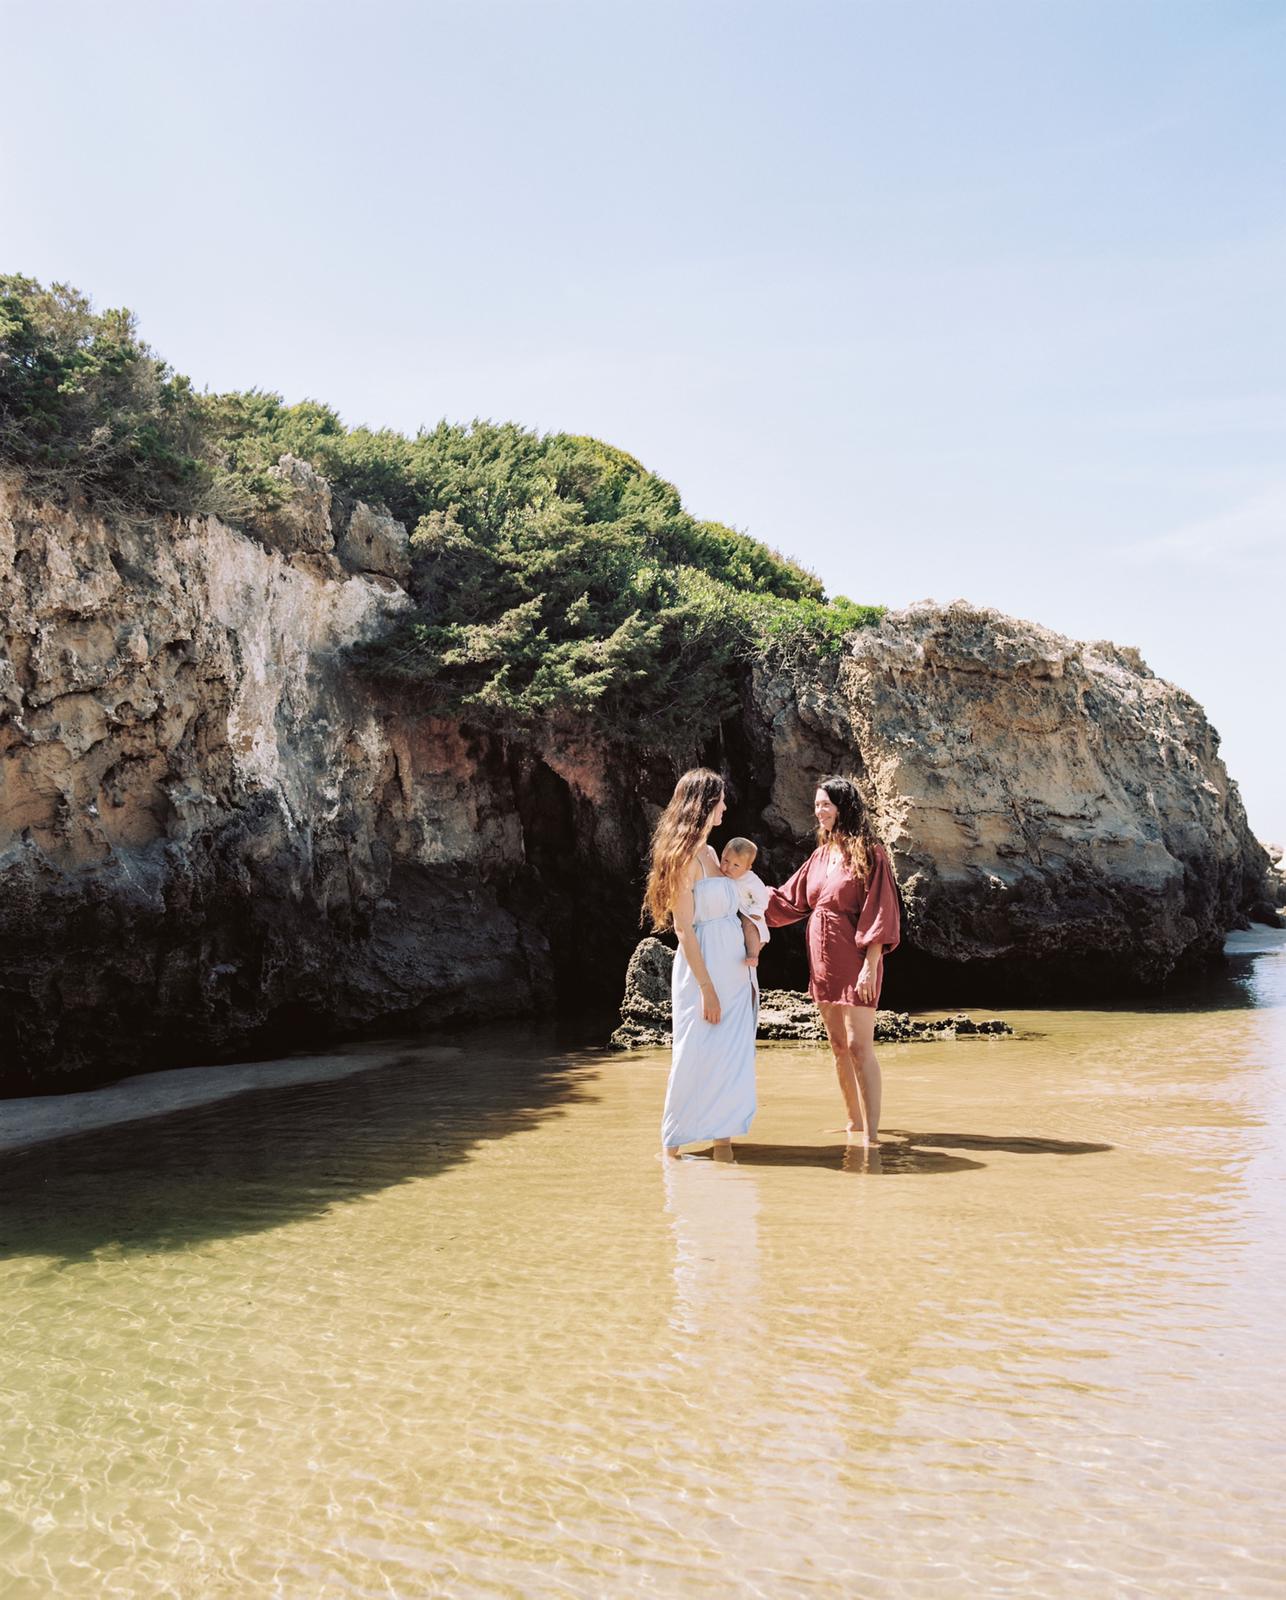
(845, 914)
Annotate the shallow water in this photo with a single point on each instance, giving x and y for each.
(448, 1327)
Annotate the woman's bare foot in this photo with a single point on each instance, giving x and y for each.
(858, 1134)
(723, 1150)
(671, 1154)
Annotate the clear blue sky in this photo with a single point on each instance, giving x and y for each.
(983, 298)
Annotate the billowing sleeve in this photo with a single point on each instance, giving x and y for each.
(788, 902)
(880, 919)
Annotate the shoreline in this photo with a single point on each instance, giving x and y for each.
(31, 1120)
(1257, 940)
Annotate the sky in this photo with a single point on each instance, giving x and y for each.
(981, 299)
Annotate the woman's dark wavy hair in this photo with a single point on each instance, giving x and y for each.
(852, 833)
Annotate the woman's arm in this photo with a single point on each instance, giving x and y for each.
(788, 902)
(868, 979)
(685, 910)
(879, 924)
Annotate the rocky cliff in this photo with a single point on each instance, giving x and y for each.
(216, 838)
(1058, 815)
(212, 837)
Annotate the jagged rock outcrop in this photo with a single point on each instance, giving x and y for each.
(784, 1014)
(216, 838)
(374, 542)
(1058, 815)
(645, 1005)
(1270, 905)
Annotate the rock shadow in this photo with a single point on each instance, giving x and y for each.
(275, 1156)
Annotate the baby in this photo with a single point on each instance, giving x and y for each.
(735, 862)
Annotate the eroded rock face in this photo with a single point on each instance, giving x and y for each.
(1058, 815)
(1270, 906)
(374, 542)
(212, 837)
(645, 1005)
(302, 524)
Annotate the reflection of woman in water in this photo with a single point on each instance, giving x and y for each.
(715, 1217)
(847, 891)
(711, 1092)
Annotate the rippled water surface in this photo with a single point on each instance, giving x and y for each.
(449, 1327)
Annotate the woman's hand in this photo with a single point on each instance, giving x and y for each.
(869, 978)
(710, 1003)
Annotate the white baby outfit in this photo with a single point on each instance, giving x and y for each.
(752, 900)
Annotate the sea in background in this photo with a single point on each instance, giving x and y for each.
(419, 1319)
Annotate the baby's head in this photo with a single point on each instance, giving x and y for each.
(738, 857)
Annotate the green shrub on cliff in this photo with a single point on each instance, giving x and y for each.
(250, 430)
(85, 405)
(553, 574)
(536, 612)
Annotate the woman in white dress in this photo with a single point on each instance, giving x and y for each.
(714, 997)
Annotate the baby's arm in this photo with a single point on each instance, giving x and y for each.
(755, 903)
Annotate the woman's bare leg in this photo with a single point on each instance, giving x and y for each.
(845, 1063)
(859, 1032)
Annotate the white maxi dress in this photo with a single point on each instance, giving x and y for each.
(711, 1092)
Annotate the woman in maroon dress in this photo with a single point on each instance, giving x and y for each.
(847, 891)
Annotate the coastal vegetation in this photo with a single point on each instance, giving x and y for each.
(553, 575)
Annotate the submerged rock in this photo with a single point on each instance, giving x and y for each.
(783, 1013)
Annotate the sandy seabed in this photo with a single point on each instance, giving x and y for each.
(415, 1321)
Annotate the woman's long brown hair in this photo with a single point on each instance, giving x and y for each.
(681, 829)
(852, 833)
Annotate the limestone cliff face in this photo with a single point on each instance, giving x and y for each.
(210, 835)
(215, 838)
(1057, 814)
